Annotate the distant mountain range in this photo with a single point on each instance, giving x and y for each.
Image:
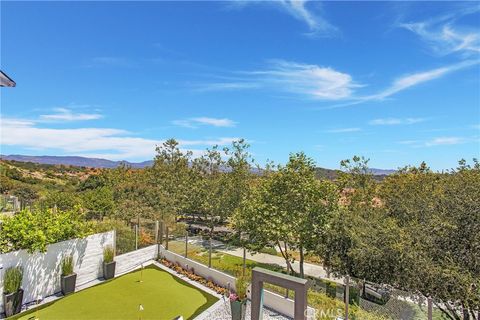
(76, 161)
(104, 163)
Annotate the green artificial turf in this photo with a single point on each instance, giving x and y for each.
(162, 296)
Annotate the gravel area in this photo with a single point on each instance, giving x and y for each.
(221, 311)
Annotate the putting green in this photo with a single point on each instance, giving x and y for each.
(162, 295)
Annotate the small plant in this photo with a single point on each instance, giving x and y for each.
(108, 254)
(12, 280)
(67, 265)
(241, 285)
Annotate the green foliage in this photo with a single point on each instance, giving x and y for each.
(289, 208)
(62, 200)
(67, 265)
(241, 285)
(34, 229)
(417, 230)
(12, 280)
(98, 203)
(125, 240)
(108, 254)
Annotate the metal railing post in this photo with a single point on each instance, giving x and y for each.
(430, 308)
(136, 237)
(186, 243)
(347, 295)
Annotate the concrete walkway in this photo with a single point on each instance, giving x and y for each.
(309, 269)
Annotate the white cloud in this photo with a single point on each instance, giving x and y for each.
(443, 35)
(406, 82)
(414, 79)
(344, 130)
(64, 114)
(316, 23)
(195, 122)
(445, 141)
(109, 143)
(314, 81)
(438, 141)
(394, 121)
(225, 86)
(300, 10)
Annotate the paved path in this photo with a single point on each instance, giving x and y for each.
(309, 269)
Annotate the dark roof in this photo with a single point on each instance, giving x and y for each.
(6, 81)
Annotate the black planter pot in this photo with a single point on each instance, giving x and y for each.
(109, 270)
(68, 283)
(238, 309)
(12, 302)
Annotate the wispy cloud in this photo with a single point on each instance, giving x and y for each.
(306, 80)
(414, 79)
(313, 81)
(437, 141)
(108, 143)
(315, 21)
(225, 86)
(444, 36)
(64, 114)
(394, 121)
(206, 121)
(445, 141)
(344, 130)
(406, 82)
(308, 12)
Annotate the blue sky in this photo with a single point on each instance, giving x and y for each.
(397, 82)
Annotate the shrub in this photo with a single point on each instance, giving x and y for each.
(67, 265)
(34, 229)
(12, 280)
(241, 285)
(108, 254)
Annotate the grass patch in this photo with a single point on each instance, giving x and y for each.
(162, 295)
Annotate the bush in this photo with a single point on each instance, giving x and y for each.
(67, 265)
(34, 229)
(108, 254)
(241, 285)
(12, 280)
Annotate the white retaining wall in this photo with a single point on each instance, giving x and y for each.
(271, 300)
(41, 271)
(220, 278)
(131, 260)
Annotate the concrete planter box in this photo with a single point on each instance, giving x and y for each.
(238, 309)
(13, 302)
(68, 283)
(109, 270)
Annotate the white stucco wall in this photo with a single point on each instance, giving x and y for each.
(41, 271)
(271, 300)
(131, 260)
(220, 278)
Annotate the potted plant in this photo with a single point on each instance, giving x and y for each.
(68, 277)
(12, 293)
(108, 262)
(238, 299)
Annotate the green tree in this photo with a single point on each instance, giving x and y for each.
(290, 208)
(34, 229)
(212, 187)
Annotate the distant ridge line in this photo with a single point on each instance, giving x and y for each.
(109, 164)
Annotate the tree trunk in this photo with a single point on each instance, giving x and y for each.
(285, 256)
(166, 237)
(210, 248)
(302, 258)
